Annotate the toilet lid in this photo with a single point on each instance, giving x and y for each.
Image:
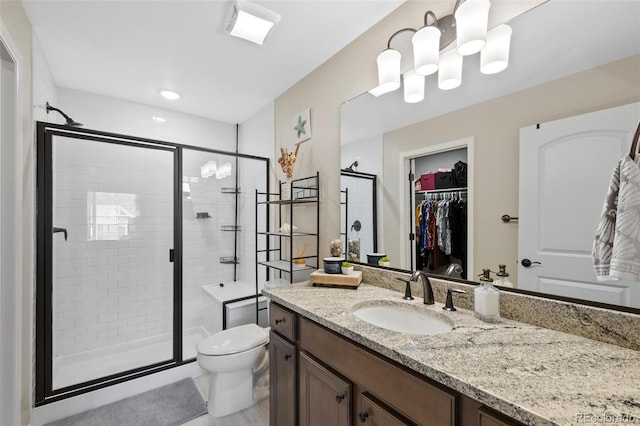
(234, 340)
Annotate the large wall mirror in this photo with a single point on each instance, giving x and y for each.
(559, 69)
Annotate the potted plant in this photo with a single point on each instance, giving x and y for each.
(347, 268)
(385, 261)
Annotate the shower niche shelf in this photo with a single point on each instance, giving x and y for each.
(231, 227)
(231, 190)
(276, 250)
(230, 260)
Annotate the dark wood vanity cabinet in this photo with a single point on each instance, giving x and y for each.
(323, 397)
(283, 366)
(373, 413)
(283, 357)
(321, 378)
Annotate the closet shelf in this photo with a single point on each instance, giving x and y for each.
(435, 191)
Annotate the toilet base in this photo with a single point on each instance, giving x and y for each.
(230, 393)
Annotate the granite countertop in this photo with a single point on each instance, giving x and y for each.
(535, 375)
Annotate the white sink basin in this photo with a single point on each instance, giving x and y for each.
(403, 320)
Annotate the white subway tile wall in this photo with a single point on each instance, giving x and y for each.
(113, 282)
(204, 241)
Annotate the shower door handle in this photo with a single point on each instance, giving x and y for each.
(63, 230)
(172, 255)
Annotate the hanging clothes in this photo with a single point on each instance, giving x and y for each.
(441, 224)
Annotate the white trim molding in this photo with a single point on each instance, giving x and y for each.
(11, 227)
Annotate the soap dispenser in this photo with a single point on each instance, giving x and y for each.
(503, 277)
(486, 299)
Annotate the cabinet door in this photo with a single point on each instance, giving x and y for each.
(324, 398)
(373, 414)
(282, 379)
(487, 417)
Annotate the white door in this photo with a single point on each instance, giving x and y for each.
(565, 169)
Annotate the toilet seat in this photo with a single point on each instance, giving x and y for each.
(233, 340)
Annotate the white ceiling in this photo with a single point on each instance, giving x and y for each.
(556, 39)
(132, 49)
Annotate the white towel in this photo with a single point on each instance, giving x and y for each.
(616, 249)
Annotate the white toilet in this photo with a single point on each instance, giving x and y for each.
(232, 356)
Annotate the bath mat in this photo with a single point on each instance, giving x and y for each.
(169, 405)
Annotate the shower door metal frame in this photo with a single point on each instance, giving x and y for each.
(44, 393)
(374, 200)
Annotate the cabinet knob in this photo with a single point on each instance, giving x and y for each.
(286, 357)
(363, 417)
(279, 320)
(339, 398)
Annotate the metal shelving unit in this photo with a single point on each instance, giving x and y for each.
(275, 249)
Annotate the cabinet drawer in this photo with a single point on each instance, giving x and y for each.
(282, 321)
(404, 392)
(374, 414)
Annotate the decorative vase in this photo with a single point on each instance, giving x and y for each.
(384, 263)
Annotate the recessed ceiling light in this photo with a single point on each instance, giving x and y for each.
(158, 119)
(170, 94)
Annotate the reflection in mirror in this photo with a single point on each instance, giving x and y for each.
(438, 208)
(358, 215)
(559, 69)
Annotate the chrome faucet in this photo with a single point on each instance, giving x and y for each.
(427, 290)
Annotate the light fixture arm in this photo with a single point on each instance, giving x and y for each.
(433, 16)
(398, 32)
(455, 7)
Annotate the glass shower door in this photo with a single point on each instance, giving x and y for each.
(111, 280)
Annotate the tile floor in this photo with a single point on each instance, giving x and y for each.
(258, 415)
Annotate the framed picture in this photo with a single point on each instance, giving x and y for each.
(301, 125)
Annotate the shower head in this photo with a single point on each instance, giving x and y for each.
(70, 121)
(350, 168)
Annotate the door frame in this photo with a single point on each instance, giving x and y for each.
(407, 196)
(13, 289)
(44, 282)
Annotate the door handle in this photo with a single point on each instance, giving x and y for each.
(526, 263)
(63, 230)
(363, 416)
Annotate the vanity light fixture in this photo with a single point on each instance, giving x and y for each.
(434, 50)
(170, 94)
(251, 21)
